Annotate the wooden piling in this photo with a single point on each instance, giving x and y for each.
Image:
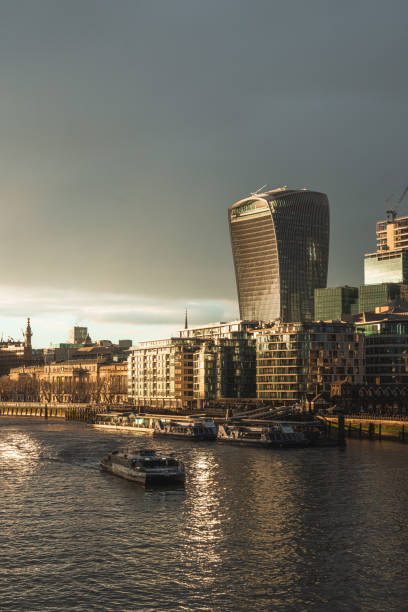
(340, 430)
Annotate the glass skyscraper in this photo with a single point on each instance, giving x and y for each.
(280, 244)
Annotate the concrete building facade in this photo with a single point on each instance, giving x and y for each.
(161, 374)
(201, 367)
(69, 382)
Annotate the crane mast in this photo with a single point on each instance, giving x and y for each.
(392, 212)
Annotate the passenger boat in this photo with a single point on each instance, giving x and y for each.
(192, 429)
(144, 466)
(277, 435)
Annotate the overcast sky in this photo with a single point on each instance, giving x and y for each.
(128, 127)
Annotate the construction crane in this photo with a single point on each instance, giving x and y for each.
(392, 212)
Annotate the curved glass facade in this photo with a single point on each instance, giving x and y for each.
(280, 244)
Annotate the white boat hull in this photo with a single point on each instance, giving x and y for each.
(144, 478)
(136, 430)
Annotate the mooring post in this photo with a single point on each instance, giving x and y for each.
(340, 429)
(370, 430)
(379, 431)
(361, 431)
(349, 429)
(46, 411)
(403, 433)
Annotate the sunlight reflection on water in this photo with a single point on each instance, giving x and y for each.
(252, 529)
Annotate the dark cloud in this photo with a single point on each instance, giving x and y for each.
(128, 128)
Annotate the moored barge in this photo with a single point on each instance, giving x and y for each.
(192, 429)
(276, 435)
(142, 424)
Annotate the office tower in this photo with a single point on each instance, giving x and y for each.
(77, 335)
(280, 245)
(335, 303)
(389, 264)
(372, 296)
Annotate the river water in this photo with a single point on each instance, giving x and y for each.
(310, 529)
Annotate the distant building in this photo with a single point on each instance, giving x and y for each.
(386, 345)
(16, 353)
(280, 245)
(222, 329)
(335, 303)
(206, 365)
(372, 296)
(386, 267)
(389, 264)
(298, 361)
(125, 344)
(344, 303)
(392, 235)
(78, 335)
(60, 352)
(69, 382)
(161, 374)
(102, 349)
(385, 277)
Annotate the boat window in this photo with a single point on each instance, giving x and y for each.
(156, 462)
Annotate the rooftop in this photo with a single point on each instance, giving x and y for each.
(270, 194)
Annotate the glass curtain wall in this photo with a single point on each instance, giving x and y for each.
(280, 244)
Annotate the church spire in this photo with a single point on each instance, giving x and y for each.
(28, 351)
(28, 334)
(185, 321)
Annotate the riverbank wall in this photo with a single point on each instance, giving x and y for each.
(371, 428)
(71, 412)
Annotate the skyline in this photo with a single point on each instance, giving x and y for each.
(128, 131)
(54, 313)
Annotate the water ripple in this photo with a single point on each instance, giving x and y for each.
(314, 529)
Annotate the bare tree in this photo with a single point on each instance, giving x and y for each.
(7, 388)
(45, 390)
